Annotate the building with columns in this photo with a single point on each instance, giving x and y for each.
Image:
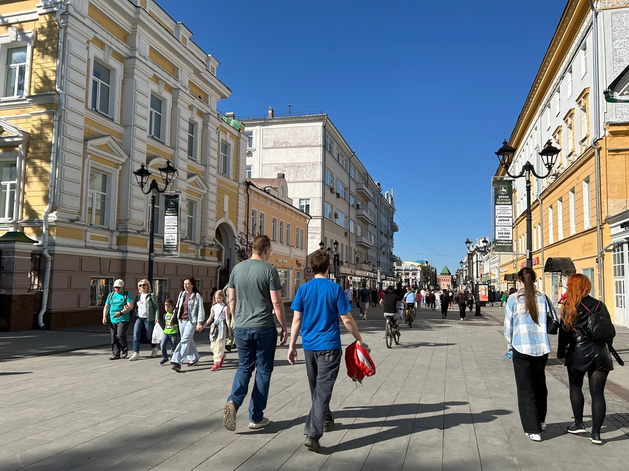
(93, 89)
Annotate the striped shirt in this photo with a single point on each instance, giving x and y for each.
(521, 333)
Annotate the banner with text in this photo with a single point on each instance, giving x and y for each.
(171, 225)
(503, 215)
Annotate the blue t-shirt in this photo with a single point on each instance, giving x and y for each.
(320, 301)
(117, 302)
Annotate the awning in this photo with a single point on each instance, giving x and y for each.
(559, 264)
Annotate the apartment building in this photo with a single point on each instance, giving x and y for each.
(327, 181)
(580, 210)
(92, 90)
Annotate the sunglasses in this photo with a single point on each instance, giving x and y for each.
(143, 285)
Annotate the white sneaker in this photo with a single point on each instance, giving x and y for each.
(154, 353)
(536, 437)
(134, 357)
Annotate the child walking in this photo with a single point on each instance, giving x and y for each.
(171, 331)
(219, 330)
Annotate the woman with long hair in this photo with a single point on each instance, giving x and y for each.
(146, 312)
(190, 314)
(525, 332)
(583, 355)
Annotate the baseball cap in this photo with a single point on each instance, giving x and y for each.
(118, 283)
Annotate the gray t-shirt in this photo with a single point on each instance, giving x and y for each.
(253, 281)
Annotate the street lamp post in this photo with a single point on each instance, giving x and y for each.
(549, 158)
(167, 173)
(474, 252)
(335, 257)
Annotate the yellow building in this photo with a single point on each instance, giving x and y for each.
(92, 90)
(583, 202)
(271, 212)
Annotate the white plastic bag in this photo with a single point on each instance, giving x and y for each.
(158, 333)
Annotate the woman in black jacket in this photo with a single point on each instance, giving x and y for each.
(583, 355)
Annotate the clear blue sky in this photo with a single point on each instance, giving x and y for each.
(424, 92)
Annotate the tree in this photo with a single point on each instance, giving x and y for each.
(426, 274)
(243, 244)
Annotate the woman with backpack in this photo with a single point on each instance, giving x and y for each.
(527, 340)
(582, 354)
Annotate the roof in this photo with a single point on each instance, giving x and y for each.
(445, 271)
(262, 183)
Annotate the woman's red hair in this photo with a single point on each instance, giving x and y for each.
(579, 287)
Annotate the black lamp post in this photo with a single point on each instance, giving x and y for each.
(478, 249)
(167, 173)
(335, 257)
(549, 158)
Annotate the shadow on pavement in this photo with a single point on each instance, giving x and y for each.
(6, 373)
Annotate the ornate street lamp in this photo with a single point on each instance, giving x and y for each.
(473, 252)
(142, 175)
(549, 158)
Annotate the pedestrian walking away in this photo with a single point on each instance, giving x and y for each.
(581, 355)
(364, 295)
(461, 299)
(146, 312)
(219, 321)
(445, 303)
(527, 340)
(190, 314)
(171, 331)
(116, 313)
(255, 293)
(316, 310)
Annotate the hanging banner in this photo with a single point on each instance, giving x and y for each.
(503, 215)
(171, 225)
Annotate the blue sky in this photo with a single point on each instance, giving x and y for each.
(423, 92)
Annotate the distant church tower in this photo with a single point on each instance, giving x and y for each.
(445, 279)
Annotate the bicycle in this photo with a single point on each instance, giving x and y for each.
(410, 317)
(391, 332)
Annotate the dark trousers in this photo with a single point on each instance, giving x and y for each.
(462, 310)
(444, 309)
(322, 368)
(530, 379)
(118, 335)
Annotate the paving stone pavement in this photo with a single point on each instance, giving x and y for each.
(444, 399)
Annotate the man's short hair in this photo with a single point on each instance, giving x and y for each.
(390, 290)
(364, 284)
(260, 244)
(320, 262)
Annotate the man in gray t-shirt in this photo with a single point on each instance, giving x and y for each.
(255, 295)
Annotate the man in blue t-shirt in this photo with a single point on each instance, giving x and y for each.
(116, 314)
(316, 309)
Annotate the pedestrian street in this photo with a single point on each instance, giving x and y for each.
(444, 399)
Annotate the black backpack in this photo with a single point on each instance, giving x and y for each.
(600, 327)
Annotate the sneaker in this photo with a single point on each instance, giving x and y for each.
(312, 444)
(114, 357)
(164, 361)
(577, 428)
(536, 437)
(177, 367)
(258, 425)
(215, 367)
(328, 424)
(134, 357)
(124, 353)
(596, 438)
(222, 361)
(192, 363)
(154, 352)
(229, 416)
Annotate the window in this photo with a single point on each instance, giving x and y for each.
(327, 211)
(101, 88)
(8, 185)
(304, 205)
(281, 232)
(15, 72)
(620, 288)
(352, 171)
(284, 282)
(155, 118)
(352, 226)
(99, 290)
(340, 219)
(534, 238)
(359, 230)
(274, 229)
(297, 238)
(254, 222)
(288, 228)
(161, 290)
(584, 59)
(569, 83)
(571, 209)
(342, 159)
(262, 227)
(159, 215)
(225, 159)
(191, 218)
(352, 199)
(249, 135)
(569, 120)
(97, 199)
(560, 219)
(584, 121)
(328, 143)
(589, 272)
(539, 236)
(248, 171)
(586, 204)
(301, 238)
(192, 131)
(299, 279)
(328, 178)
(551, 229)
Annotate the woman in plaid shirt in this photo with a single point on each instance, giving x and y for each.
(527, 340)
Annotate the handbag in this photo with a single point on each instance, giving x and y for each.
(158, 333)
(552, 319)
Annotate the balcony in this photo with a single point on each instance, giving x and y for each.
(394, 227)
(364, 241)
(364, 215)
(362, 188)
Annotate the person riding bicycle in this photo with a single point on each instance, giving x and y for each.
(389, 303)
(409, 301)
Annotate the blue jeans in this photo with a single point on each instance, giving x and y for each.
(142, 324)
(256, 350)
(169, 339)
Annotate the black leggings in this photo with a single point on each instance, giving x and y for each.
(597, 379)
